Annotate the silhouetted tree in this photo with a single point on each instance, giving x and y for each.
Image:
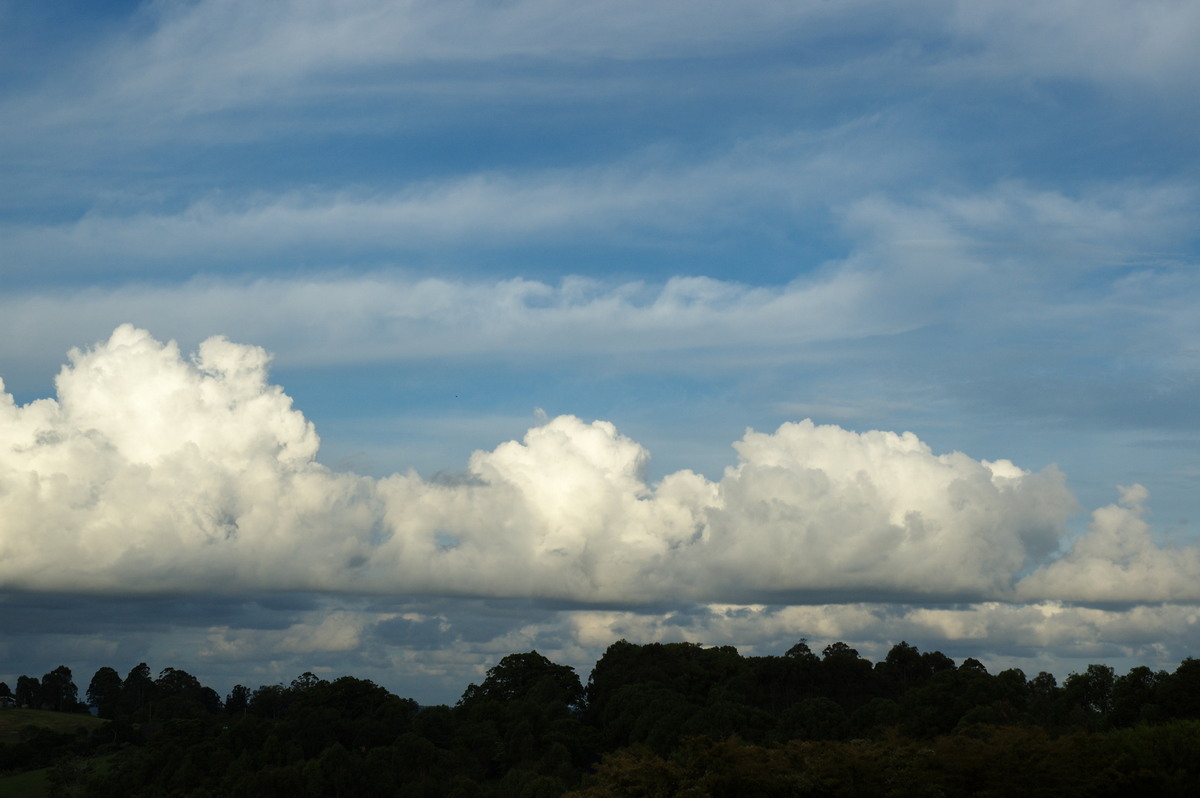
(59, 692)
(137, 694)
(905, 668)
(773, 684)
(902, 669)
(1088, 696)
(179, 694)
(972, 664)
(104, 692)
(269, 701)
(1136, 697)
(687, 669)
(517, 675)
(801, 651)
(29, 692)
(238, 700)
(846, 677)
(306, 681)
(1181, 692)
(965, 695)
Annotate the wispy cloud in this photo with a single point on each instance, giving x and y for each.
(1115, 40)
(194, 58)
(653, 199)
(1108, 265)
(391, 317)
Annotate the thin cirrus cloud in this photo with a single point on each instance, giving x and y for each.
(1016, 261)
(209, 72)
(390, 317)
(481, 209)
(647, 200)
(1106, 226)
(226, 54)
(1122, 41)
(148, 460)
(193, 60)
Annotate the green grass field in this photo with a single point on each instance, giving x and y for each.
(13, 720)
(30, 784)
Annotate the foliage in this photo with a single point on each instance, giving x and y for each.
(58, 692)
(104, 692)
(28, 693)
(654, 720)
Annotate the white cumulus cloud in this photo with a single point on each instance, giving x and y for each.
(1118, 560)
(154, 472)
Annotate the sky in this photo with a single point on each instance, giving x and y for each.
(389, 338)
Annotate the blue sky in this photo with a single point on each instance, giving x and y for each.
(525, 306)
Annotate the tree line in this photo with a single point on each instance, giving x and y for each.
(655, 719)
(55, 691)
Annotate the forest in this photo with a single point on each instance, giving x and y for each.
(660, 719)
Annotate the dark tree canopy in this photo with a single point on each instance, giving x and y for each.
(180, 695)
(59, 692)
(519, 675)
(137, 692)
(660, 719)
(238, 700)
(29, 692)
(104, 692)
(801, 650)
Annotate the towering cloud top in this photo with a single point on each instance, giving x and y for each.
(148, 403)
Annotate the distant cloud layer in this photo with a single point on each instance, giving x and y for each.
(153, 472)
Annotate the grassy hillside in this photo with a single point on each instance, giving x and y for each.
(13, 720)
(31, 784)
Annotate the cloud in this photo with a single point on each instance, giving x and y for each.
(812, 508)
(158, 471)
(1116, 40)
(430, 648)
(393, 316)
(643, 199)
(1010, 260)
(1046, 634)
(189, 78)
(1117, 560)
(318, 633)
(1096, 228)
(179, 498)
(152, 472)
(193, 58)
(183, 60)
